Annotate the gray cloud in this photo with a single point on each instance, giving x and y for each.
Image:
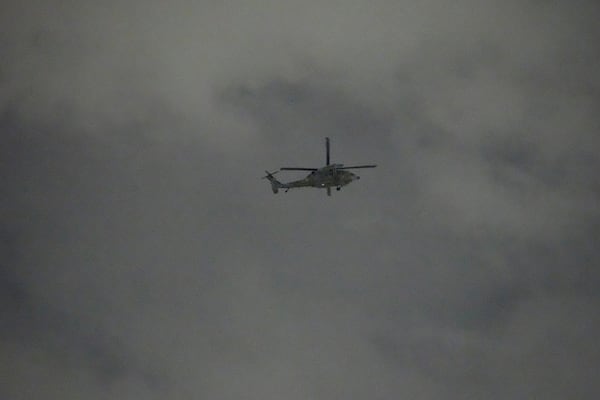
(142, 257)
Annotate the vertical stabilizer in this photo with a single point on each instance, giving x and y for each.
(275, 184)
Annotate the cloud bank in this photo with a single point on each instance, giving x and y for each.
(141, 256)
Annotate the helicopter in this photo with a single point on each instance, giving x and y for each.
(331, 175)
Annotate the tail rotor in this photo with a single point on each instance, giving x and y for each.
(275, 184)
(269, 175)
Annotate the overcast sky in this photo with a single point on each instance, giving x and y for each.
(142, 257)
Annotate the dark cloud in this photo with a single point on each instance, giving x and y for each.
(141, 256)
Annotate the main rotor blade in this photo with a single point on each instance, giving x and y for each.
(327, 150)
(358, 166)
(297, 169)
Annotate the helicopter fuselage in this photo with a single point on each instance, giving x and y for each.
(325, 177)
